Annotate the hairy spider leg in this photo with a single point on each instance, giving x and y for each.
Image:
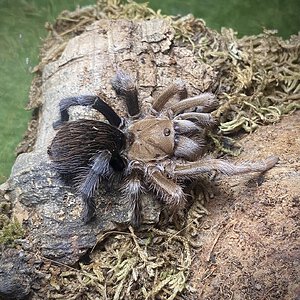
(93, 101)
(126, 88)
(189, 138)
(203, 119)
(204, 102)
(131, 192)
(100, 169)
(190, 126)
(178, 87)
(185, 127)
(196, 168)
(189, 148)
(169, 191)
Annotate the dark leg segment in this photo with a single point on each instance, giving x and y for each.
(125, 87)
(99, 170)
(93, 101)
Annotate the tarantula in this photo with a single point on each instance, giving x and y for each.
(159, 149)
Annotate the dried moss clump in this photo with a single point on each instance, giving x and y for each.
(153, 264)
(150, 265)
(10, 230)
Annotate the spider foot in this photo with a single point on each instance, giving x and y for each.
(57, 124)
(89, 214)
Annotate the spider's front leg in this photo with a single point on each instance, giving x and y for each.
(178, 87)
(131, 191)
(168, 190)
(204, 103)
(196, 168)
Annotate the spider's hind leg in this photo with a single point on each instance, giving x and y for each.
(94, 102)
(89, 181)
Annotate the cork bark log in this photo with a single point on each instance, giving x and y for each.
(148, 52)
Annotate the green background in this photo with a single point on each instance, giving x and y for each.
(22, 30)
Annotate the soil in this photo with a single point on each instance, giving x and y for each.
(251, 240)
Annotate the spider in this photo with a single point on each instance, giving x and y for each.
(159, 149)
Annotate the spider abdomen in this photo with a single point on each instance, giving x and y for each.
(77, 142)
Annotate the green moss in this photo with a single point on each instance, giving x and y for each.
(10, 230)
